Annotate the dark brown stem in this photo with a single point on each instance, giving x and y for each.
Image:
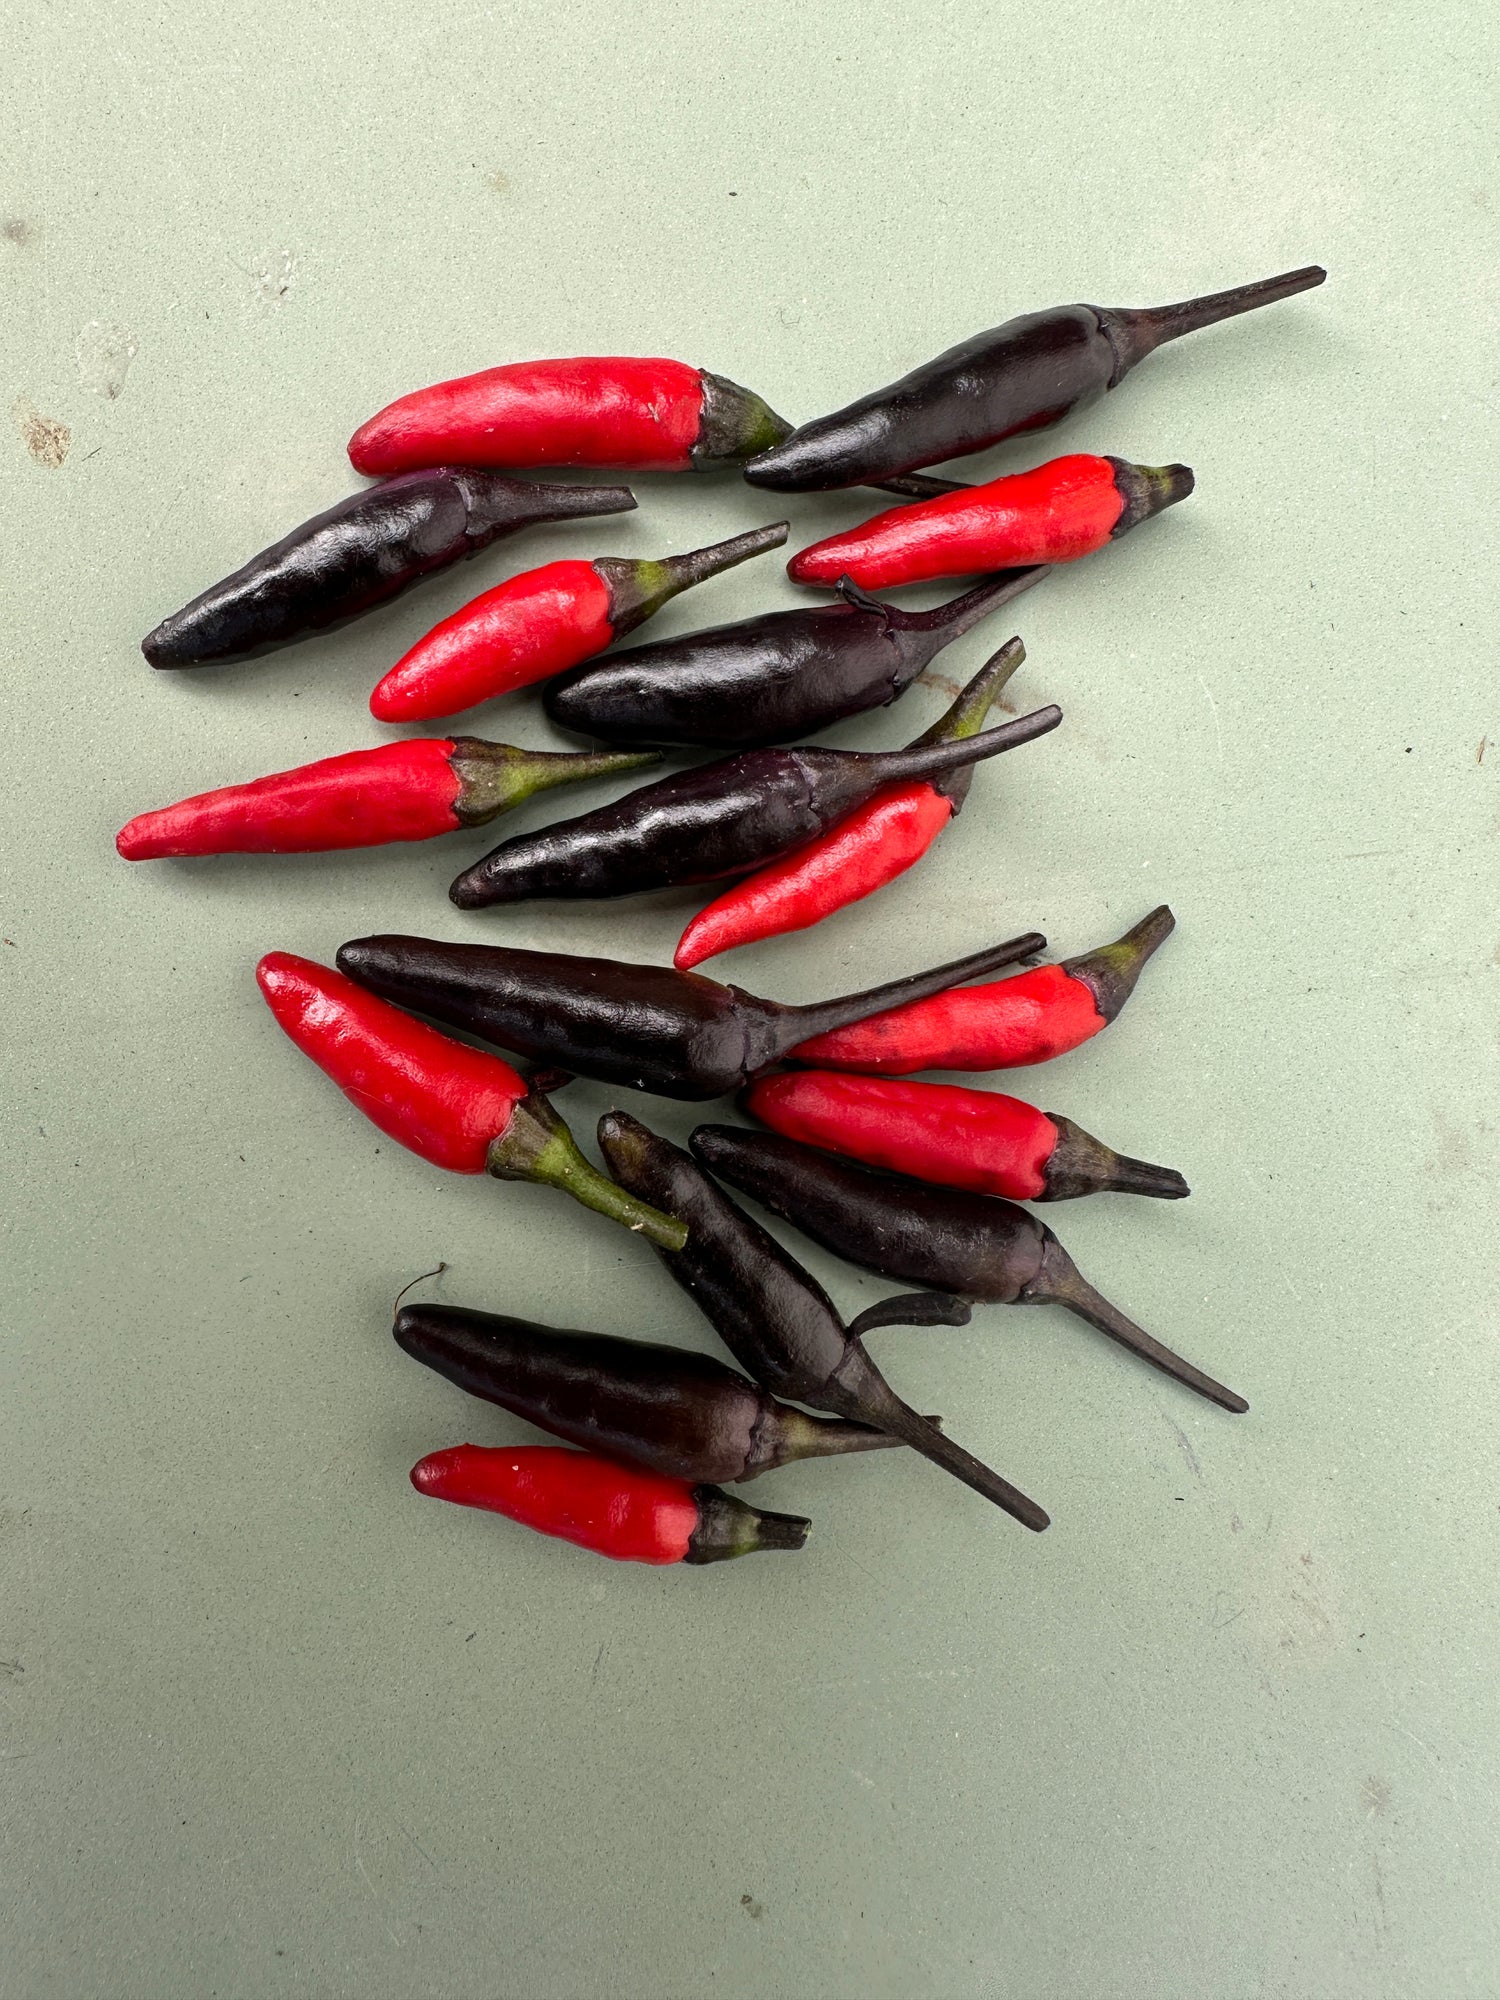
(728, 1527)
(956, 617)
(921, 486)
(1136, 331)
(821, 1017)
(1110, 972)
(1081, 1164)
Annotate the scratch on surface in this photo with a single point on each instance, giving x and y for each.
(1184, 1445)
(1214, 710)
(364, 1875)
(594, 1675)
(420, 1848)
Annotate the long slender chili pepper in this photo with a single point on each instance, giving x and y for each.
(1021, 376)
(769, 679)
(968, 1244)
(458, 1107)
(777, 1321)
(400, 791)
(1029, 1018)
(871, 846)
(368, 548)
(684, 1415)
(720, 819)
(647, 1026)
(643, 415)
(618, 1511)
(1052, 514)
(536, 625)
(974, 1139)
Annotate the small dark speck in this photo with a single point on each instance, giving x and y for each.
(472, 1635)
(91, 454)
(751, 1908)
(734, 191)
(1408, 749)
(242, 1159)
(12, 943)
(1177, 1496)
(10, 1668)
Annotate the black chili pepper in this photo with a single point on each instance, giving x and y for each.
(778, 1322)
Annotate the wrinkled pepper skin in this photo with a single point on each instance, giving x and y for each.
(618, 1511)
(1029, 1018)
(361, 552)
(1022, 376)
(777, 1321)
(681, 1414)
(1055, 513)
(646, 1026)
(771, 679)
(535, 626)
(971, 1245)
(862, 852)
(943, 1132)
(364, 798)
(720, 819)
(638, 414)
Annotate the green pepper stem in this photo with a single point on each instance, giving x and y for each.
(728, 1527)
(537, 1146)
(638, 588)
(494, 777)
(1110, 973)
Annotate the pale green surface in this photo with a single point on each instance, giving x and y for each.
(270, 1724)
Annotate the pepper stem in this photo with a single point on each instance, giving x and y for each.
(1136, 331)
(537, 1146)
(1060, 1281)
(956, 617)
(798, 1436)
(967, 714)
(735, 424)
(920, 486)
(728, 1527)
(931, 760)
(493, 777)
(796, 1025)
(1147, 490)
(1110, 972)
(638, 589)
(1081, 1164)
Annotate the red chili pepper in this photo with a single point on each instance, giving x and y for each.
(540, 623)
(652, 415)
(871, 846)
(942, 1132)
(400, 791)
(1029, 1018)
(456, 1106)
(619, 1511)
(1054, 513)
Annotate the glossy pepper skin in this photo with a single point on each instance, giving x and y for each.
(769, 679)
(777, 1321)
(1053, 514)
(639, 414)
(457, 1107)
(1022, 376)
(974, 1139)
(534, 626)
(1029, 1018)
(368, 548)
(968, 1244)
(683, 1415)
(646, 1026)
(618, 1511)
(720, 819)
(869, 847)
(364, 798)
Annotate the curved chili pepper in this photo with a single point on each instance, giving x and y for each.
(1029, 1018)
(616, 1510)
(773, 678)
(458, 1107)
(778, 1322)
(969, 1244)
(1053, 514)
(593, 409)
(717, 820)
(534, 626)
(368, 548)
(684, 1415)
(676, 1033)
(974, 1139)
(400, 791)
(861, 853)
(1021, 376)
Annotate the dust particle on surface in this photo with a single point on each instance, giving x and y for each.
(104, 354)
(751, 1908)
(273, 276)
(1376, 1797)
(47, 439)
(498, 182)
(16, 229)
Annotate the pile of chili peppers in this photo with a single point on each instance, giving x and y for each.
(913, 1179)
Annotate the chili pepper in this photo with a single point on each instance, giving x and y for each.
(370, 547)
(647, 1026)
(777, 1321)
(1027, 1019)
(773, 678)
(1053, 514)
(593, 409)
(1021, 376)
(974, 1139)
(536, 625)
(458, 1107)
(400, 791)
(968, 1244)
(720, 819)
(683, 1415)
(861, 853)
(616, 1510)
